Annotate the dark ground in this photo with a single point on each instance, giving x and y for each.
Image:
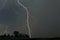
(29, 39)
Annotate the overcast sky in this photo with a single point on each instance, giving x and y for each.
(44, 17)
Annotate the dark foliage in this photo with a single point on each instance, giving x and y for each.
(19, 36)
(16, 35)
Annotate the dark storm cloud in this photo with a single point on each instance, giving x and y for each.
(7, 15)
(10, 12)
(48, 18)
(12, 15)
(44, 17)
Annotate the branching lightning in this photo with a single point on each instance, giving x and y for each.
(29, 32)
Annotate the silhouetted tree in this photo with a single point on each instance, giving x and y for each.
(8, 36)
(26, 36)
(23, 35)
(16, 33)
(20, 35)
(11, 35)
(4, 35)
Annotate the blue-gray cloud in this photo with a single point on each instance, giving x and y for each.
(45, 21)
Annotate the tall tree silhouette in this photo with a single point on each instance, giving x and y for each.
(16, 33)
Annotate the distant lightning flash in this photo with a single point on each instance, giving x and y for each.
(29, 32)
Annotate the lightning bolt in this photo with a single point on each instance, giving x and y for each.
(29, 32)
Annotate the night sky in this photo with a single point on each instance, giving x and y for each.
(44, 17)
